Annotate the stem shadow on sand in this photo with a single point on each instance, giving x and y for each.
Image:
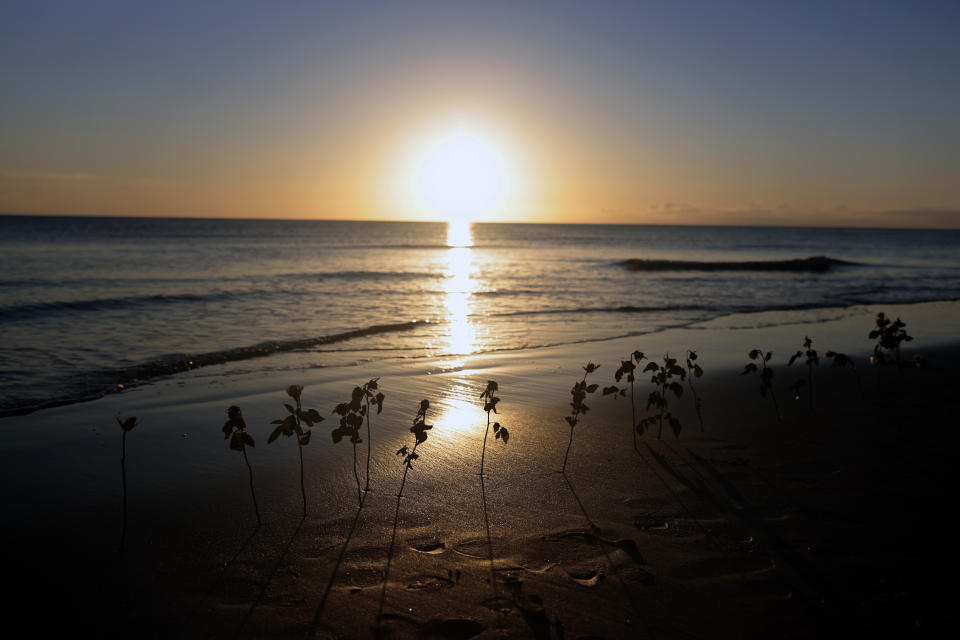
(333, 575)
(216, 582)
(602, 543)
(486, 523)
(419, 430)
(583, 510)
(266, 583)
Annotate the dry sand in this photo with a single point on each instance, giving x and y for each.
(833, 522)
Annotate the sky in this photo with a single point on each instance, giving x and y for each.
(805, 113)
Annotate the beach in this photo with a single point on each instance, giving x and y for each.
(491, 320)
(833, 521)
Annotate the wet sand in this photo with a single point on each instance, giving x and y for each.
(833, 521)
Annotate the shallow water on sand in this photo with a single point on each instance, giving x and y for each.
(90, 303)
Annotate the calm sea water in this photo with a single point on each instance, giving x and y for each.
(90, 303)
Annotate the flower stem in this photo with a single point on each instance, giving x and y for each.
(563, 469)
(356, 476)
(366, 486)
(303, 491)
(483, 453)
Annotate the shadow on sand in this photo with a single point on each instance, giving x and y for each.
(219, 578)
(315, 625)
(266, 583)
(628, 546)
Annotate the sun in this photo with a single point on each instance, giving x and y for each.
(458, 172)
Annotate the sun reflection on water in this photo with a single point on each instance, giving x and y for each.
(459, 234)
(459, 285)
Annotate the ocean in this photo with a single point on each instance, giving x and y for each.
(90, 305)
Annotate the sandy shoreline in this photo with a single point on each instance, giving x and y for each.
(828, 522)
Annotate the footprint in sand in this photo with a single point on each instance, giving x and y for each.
(391, 623)
(364, 567)
(629, 547)
(499, 604)
(626, 545)
(365, 576)
(475, 547)
(538, 568)
(577, 551)
(432, 548)
(587, 577)
(546, 552)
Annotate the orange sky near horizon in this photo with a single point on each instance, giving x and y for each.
(628, 115)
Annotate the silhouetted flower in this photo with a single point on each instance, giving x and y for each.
(294, 391)
(235, 421)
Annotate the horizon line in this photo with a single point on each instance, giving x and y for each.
(442, 221)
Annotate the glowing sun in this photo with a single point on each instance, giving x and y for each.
(461, 172)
